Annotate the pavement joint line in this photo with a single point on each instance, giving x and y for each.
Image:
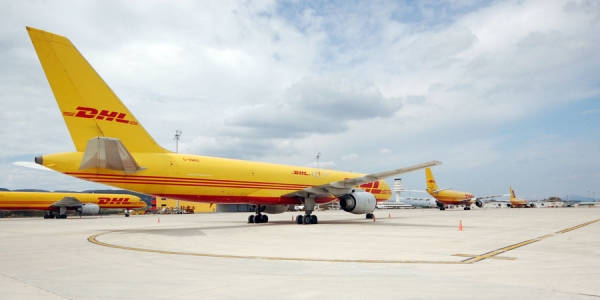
(473, 259)
(524, 243)
(493, 257)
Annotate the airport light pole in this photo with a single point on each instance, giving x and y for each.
(318, 156)
(177, 136)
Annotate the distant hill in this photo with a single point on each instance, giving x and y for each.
(30, 190)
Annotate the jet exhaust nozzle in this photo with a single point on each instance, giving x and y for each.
(39, 160)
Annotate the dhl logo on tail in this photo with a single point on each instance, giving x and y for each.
(90, 113)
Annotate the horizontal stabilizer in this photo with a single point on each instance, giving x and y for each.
(108, 153)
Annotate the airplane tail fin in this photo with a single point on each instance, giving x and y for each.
(431, 185)
(88, 105)
(512, 194)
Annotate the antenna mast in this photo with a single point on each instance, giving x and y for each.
(177, 135)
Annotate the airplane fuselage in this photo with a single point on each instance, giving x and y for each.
(212, 179)
(451, 197)
(44, 200)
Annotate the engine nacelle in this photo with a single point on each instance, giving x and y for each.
(275, 209)
(509, 205)
(89, 209)
(478, 203)
(358, 203)
(532, 205)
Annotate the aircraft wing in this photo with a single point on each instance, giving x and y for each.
(67, 202)
(493, 196)
(341, 187)
(31, 165)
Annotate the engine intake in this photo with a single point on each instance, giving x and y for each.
(478, 203)
(358, 202)
(89, 209)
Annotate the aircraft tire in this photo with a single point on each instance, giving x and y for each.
(299, 219)
(313, 219)
(307, 219)
(264, 219)
(250, 219)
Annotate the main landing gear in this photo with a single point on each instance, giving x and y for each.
(306, 219)
(441, 206)
(467, 208)
(309, 207)
(370, 216)
(258, 218)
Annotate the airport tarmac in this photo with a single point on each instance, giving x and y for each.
(550, 253)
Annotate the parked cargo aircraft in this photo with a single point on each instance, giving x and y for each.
(447, 196)
(114, 149)
(517, 202)
(57, 204)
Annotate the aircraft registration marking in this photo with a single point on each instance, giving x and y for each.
(473, 258)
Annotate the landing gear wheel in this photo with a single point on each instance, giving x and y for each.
(126, 215)
(264, 219)
(250, 219)
(63, 216)
(307, 219)
(299, 219)
(370, 216)
(313, 219)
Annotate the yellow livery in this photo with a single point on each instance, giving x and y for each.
(518, 202)
(57, 204)
(113, 148)
(447, 196)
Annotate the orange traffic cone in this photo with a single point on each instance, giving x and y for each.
(374, 219)
(460, 226)
(158, 219)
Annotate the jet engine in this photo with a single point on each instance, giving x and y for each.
(274, 209)
(89, 209)
(358, 203)
(479, 203)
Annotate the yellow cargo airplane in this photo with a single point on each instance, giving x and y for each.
(517, 202)
(447, 196)
(57, 204)
(114, 149)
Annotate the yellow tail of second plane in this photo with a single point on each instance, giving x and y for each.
(431, 185)
(88, 105)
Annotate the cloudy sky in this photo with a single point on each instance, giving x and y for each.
(502, 92)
